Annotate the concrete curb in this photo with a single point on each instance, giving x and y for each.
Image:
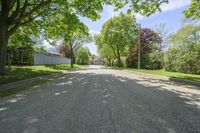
(185, 81)
(24, 82)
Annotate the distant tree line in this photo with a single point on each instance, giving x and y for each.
(121, 38)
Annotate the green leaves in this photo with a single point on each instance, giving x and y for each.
(194, 10)
(118, 33)
(82, 56)
(57, 13)
(184, 58)
(147, 7)
(187, 34)
(25, 37)
(184, 55)
(104, 50)
(64, 26)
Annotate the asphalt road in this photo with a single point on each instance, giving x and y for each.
(99, 100)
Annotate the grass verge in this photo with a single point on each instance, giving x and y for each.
(192, 77)
(24, 72)
(5, 93)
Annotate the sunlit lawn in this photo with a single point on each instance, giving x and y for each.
(193, 77)
(24, 72)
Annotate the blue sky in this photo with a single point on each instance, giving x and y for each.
(171, 15)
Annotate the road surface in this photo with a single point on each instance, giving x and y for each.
(99, 100)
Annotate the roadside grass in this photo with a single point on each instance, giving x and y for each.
(5, 93)
(24, 72)
(192, 77)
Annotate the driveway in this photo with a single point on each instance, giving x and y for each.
(101, 100)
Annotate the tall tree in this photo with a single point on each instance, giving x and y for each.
(17, 13)
(118, 33)
(69, 47)
(76, 42)
(64, 49)
(83, 56)
(104, 50)
(71, 30)
(149, 41)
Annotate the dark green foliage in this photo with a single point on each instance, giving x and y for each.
(151, 58)
(122, 62)
(184, 55)
(118, 34)
(82, 56)
(194, 10)
(185, 58)
(20, 47)
(19, 56)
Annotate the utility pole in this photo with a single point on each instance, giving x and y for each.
(139, 30)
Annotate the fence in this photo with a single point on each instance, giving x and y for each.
(19, 56)
(45, 59)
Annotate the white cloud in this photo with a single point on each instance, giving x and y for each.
(174, 4)
(110, 10)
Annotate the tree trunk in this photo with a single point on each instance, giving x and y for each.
(72, 54)
(3, 44)
(109, 62)
(119, 61)
(72, 60)
(119, 58)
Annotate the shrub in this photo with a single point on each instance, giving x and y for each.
(183, 59)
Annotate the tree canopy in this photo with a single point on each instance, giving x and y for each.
(184, 54)
(104, 50)
(83, 56)
(187, 34)
(149, 43)
(194, 10)
(119, 33)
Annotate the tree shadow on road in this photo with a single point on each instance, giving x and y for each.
(158, 105)
(130, 104)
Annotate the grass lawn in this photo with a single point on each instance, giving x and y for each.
(24, 72)
(193, 77)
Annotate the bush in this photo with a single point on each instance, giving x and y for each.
(183, 59)
(123, 62)
(156, 60)
(151, 61)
